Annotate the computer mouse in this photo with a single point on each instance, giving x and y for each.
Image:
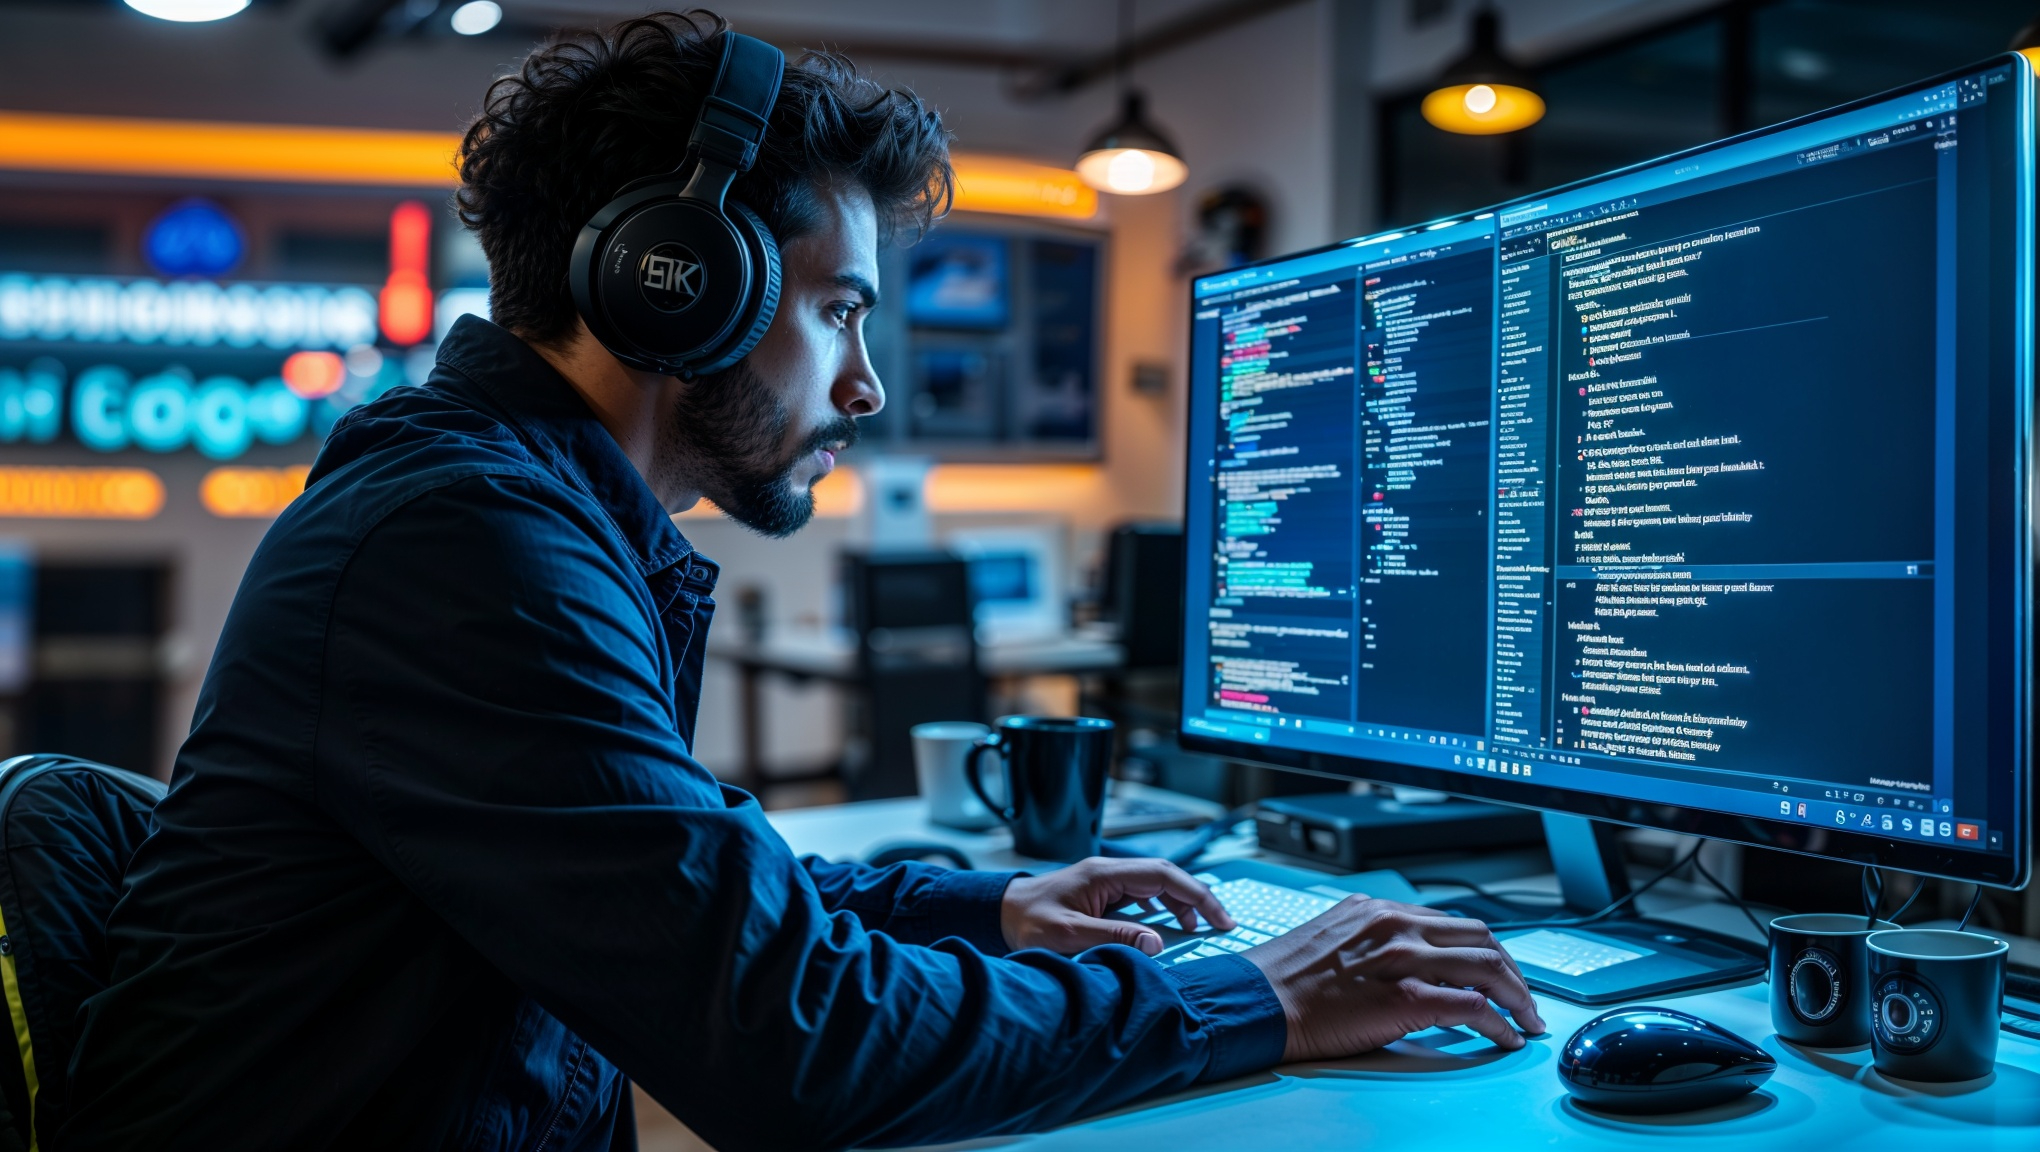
(1657, 1060)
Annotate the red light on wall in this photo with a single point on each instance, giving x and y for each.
(314, 374)
(406, 303)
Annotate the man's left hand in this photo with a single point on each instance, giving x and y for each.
(1064, 910)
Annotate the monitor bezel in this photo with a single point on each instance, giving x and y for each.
(2010, 869)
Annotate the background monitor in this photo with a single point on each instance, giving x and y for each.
(1693, 496)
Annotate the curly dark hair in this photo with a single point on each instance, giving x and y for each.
(592, 111)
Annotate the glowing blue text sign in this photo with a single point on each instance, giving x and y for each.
(187, 313)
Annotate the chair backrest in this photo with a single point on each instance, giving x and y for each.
(1142, 590)
(68, 828)
(916, 658)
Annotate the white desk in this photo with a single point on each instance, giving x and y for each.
(831, 655)
(1447, 1091)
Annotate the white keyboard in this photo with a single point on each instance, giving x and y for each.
(1262, 911)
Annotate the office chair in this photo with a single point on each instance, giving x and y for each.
(68, 828)
(916, 659)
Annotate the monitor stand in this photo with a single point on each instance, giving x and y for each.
(1624, 957)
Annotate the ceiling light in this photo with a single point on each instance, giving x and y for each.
(1131, 157)
(188, 11)
(1484, 93)
(476, 17)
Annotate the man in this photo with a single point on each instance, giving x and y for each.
(437, 868)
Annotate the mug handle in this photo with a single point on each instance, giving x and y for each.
(982, 745)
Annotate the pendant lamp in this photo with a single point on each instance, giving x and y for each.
(1131, 156)
(1484, 93)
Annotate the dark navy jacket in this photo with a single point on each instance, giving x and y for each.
(437, 869)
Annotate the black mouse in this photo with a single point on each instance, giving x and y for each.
(1657, 1060)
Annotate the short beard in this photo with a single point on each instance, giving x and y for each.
(726, 434)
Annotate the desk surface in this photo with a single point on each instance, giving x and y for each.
(832, 655)
(1449, 1090)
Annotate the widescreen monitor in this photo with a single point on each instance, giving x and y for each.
(1694, 496)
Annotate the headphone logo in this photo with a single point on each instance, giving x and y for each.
(670, 277)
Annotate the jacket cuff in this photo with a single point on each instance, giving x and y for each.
(1238, 1008)
(966, 905)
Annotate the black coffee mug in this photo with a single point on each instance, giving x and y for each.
(1055, 782)
(1820, 978)
(1934, 998)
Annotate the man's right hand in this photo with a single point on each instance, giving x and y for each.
(1369, 972)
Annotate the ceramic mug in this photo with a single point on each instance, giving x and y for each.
(939, 749)
(1934, 998)
(1820, 977)
(1055, 770)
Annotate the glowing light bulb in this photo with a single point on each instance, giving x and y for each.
(1131, 171)
(476, 17)
(1483, 109)
(188, 11)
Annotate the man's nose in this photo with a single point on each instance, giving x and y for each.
(858, 392)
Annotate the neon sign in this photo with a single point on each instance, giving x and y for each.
(407, 297)
(190, 313)
(220, 415)
(111, 408)
(194, 238)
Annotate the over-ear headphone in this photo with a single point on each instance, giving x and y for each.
(671, 276)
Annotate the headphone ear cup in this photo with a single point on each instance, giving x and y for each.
(763, 301)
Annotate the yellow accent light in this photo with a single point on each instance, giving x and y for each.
(252, 493)
(1483, 109)
(966, 488)
(80, 493)
(297, 154)
(1015, 487)
(2032, 56)
(1020, 188)
(194, 149)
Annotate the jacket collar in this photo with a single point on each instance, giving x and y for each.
(488, 365)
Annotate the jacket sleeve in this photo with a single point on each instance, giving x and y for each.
(497, 730)
(916, 903)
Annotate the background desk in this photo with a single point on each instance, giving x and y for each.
(815, 654)
(1447, 1091)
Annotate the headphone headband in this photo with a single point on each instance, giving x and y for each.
(733, 117)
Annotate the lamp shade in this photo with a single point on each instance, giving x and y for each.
(1484, 93)
(1132, 157)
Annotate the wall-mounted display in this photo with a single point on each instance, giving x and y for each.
(995, 353)
(958, 280)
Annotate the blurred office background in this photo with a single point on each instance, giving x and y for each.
(217, 236)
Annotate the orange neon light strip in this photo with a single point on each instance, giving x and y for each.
(80, 493)
(297, 154)
(282, 153)
(967, 488)
(1019, 188)
(252, 493)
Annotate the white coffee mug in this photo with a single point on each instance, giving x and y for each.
(938, 762)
